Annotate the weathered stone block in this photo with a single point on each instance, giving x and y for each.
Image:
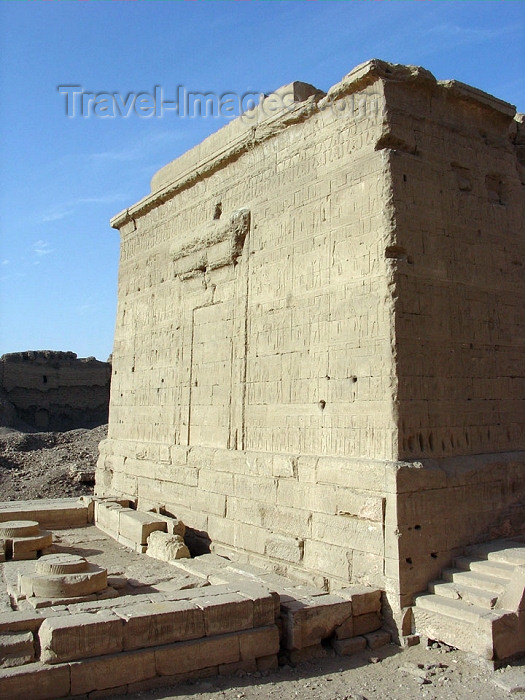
(347, 647)
(265, 604)
(111, 671)
(377, 639)
(27, 547)
(137, 526)
(107, 517)
(364, 599)
(35, 681)
(197, 654)
(166, 547)
(225, 613)
(79, 636)
(306, 623)
(259, 642)
(19, 620)
(369, 622)
(289, 549)
(16, 649)
(153, 624)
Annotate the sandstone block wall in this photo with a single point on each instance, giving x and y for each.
(56, 390)
(307, 319)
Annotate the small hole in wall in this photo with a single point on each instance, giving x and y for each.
(417, 527)
(354, 379)
(217, 211)
(434, 555)
(44, 379)
(404, 178)
(408, 560)
(322, 404)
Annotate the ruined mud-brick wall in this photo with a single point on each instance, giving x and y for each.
(275, 315)
(56, 390)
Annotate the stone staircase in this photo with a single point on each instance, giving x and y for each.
(479, 605)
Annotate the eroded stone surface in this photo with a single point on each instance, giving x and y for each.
(316, 353)
(18, 528)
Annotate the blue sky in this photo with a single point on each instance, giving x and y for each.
(62, 178)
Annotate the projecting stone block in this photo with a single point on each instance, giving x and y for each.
(71, 637)
(107, 517)
(364, 599)
(174, 525)
(155, 624)
(265, 603)
(137, 526)
(306, 623)
(19, 620)
(225, 613)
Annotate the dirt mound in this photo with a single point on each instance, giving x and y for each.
(48, 465)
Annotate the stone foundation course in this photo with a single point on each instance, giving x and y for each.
(227, 617)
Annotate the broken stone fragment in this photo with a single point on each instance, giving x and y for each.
(166, 547)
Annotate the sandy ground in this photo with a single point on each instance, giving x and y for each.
(48, 465)
(388, 673)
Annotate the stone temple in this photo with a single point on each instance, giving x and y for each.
(318, 359)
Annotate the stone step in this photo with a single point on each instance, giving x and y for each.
(16, 649)
(472, 596)
(484, 566)
(504, 551)
(474, 579)
(459, 610)
(455, 623)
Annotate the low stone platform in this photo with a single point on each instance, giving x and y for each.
(50, 513)
(166, 622)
